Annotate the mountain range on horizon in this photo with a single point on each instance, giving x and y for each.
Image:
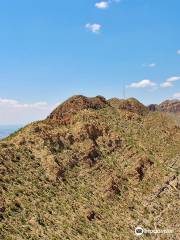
(172, 105)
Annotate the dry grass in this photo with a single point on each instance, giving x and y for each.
(97, 178)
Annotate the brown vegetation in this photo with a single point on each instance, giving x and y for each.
(92, 170)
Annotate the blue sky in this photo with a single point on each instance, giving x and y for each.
(51, 50)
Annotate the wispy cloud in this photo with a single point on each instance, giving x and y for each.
(166, 84)
(15, 112)
(176, 95)
(146, 83)
(170, 82)
(15, 104)
(178, 52)
(94, 28)
(150, 65)
(173, 79)
(105, 4)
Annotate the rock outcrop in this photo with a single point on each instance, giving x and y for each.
(170, 106)
(130, 104)
(166, 106)
(73, 105)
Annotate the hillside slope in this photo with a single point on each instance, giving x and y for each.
(91, 170)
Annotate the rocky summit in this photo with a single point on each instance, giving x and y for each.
(65, 111)
(93, 169)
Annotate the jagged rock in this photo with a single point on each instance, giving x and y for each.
(91, 215)
(153, 107)
(73, 105)
(131, 104)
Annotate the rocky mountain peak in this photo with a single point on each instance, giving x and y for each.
(73, 105)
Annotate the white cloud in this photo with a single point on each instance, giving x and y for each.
(8, 101)
(150, 65)
(14, 112)
(178, 52)
(102, 5)
(173, 79)
(142, 84)
(94, 28)
(166, 84)
(176, 95)
(15, 104)
(105, 4)
(170, 82)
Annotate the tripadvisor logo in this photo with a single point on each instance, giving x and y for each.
(139, 231)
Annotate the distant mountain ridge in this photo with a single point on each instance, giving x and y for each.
(166, 106)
